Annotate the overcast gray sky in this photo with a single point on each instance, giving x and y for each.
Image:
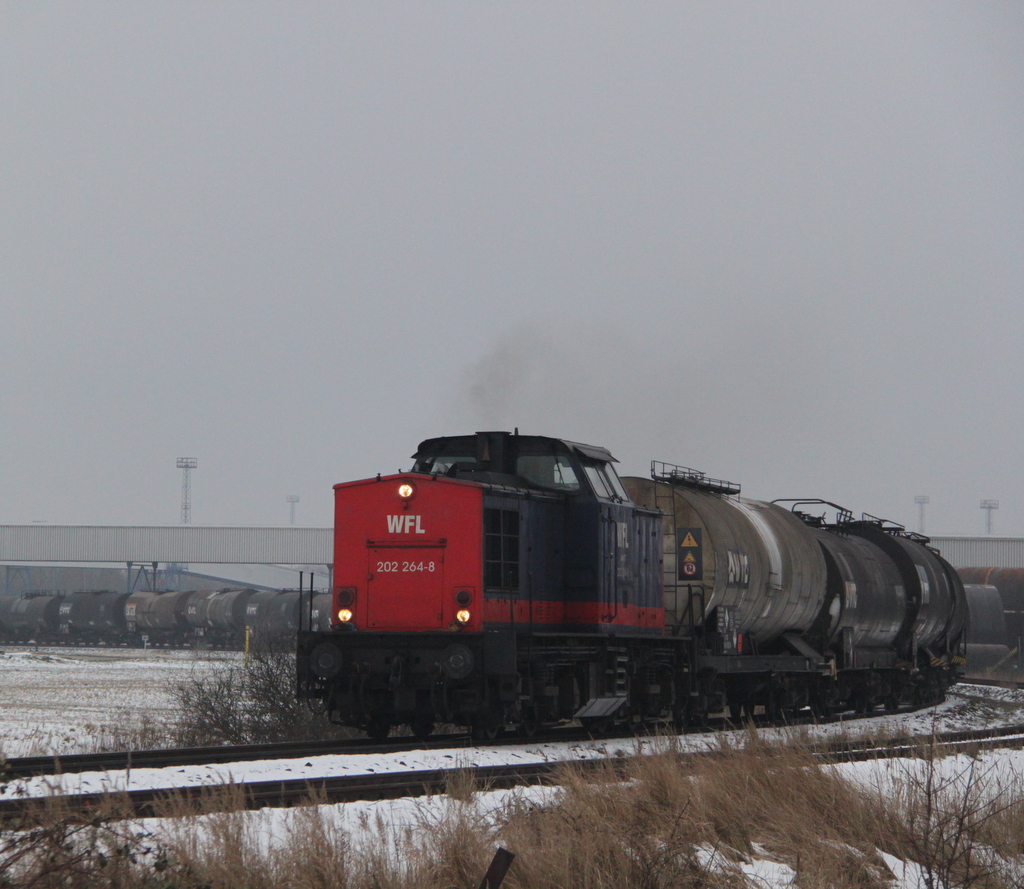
(782, 243)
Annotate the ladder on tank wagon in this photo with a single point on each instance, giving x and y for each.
(689, 622)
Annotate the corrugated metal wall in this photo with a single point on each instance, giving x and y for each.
(982, 552)
(176, 543)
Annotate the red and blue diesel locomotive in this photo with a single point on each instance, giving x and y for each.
(516, 581)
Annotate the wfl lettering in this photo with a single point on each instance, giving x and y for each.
(404, 524)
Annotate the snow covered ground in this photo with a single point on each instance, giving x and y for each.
(958, 711)
(61, 700)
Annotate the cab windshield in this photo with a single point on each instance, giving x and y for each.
(446, 454)
(552, 471)
(542, 463)
(604, 480)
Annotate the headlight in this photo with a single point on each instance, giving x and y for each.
(462, 616)
(405, 491)
(344, 615)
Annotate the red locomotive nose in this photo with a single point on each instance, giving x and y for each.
(403, 546)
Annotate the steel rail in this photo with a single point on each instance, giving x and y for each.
(991, 683)
(40, 766)
(35, 766)
(22, 811)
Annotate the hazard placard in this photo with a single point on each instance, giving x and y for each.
(690, 559)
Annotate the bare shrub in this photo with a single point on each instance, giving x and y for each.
(249, 703)
(961, 822)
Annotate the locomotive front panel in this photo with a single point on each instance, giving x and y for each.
(407, 554)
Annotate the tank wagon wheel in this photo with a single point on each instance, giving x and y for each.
(378, 729)
(680, 719)
(485, 731)
(863, 702)
(528, 728)
(422, 728)
(741, 711)
(528, 725)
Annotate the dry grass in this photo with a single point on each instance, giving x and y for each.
(648, 832)
(52, 848)
(643, 822)
(128, 731)
(132, 731)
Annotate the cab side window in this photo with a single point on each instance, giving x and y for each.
(501, 549)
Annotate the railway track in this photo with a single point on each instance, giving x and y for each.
(35, 766)
(391, 785)
(992, 683)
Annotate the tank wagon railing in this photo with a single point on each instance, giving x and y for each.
(843, 515)
(896, 529)
(691, 478)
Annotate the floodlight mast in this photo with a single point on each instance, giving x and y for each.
(292, 500)
(186, 465)
(988, 506)
(922, 500)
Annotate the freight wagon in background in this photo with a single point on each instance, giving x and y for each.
(992, 627)
(196, 619)
(517, 581)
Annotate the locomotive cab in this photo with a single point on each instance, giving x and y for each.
(442, 572)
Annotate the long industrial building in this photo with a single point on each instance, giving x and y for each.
(68, 557)
(260, 557)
